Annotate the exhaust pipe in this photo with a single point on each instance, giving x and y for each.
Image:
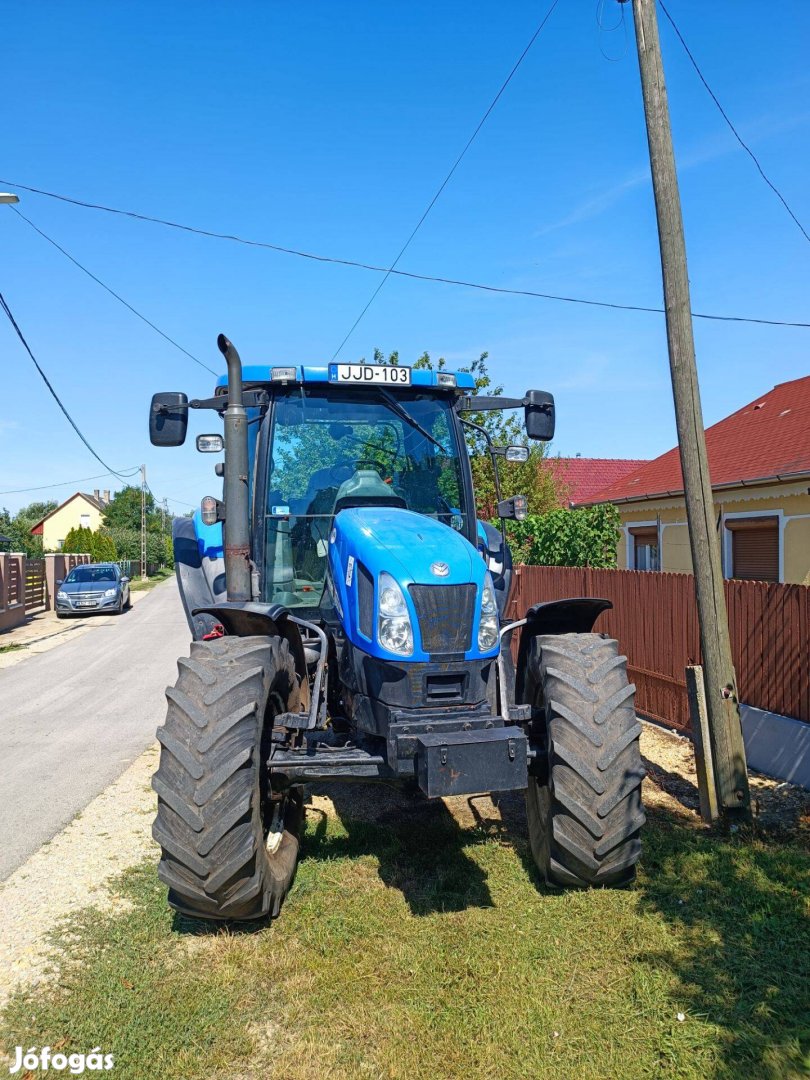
(235, 488)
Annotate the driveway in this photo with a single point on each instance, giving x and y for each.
(72, 719)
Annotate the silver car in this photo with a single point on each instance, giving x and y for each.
(93, 588)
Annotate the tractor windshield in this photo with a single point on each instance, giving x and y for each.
(337, 447)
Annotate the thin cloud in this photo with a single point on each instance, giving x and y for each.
(709, 149)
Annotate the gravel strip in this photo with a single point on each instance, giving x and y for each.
(71, 871)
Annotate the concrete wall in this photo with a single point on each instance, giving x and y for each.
(789, 502)
(67, 517)
(11, 614)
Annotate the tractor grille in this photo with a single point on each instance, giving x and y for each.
(445, 614)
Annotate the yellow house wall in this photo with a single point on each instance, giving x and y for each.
(792, 500)
(68, 517)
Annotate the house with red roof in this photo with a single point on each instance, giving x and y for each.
(759, 464)
(580, 479)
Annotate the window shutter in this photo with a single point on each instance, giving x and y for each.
(755, 548)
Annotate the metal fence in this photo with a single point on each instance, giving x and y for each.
(654, 618)
(36, 592)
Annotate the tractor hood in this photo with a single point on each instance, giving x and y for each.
(440, 574)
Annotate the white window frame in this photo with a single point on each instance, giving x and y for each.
(728, 549)
(82, 519)
(630, 542)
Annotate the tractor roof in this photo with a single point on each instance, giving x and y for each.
(320, 373)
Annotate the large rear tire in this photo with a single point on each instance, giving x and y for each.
(584, 800)
(229, 845)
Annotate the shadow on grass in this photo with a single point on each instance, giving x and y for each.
(419, 846)
(741, 950)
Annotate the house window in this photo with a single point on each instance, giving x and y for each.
(85, 521)
(646, 555)
(754, 548)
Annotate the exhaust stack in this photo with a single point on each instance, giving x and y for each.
(235, 489)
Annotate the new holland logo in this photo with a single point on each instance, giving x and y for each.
(440, 569)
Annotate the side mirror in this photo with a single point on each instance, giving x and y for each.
(539, 412)
(168, 419)
(125, 581)
(513, 509)
(60, 581)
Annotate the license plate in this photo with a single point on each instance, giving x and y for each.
(85, 603)
(387, 374)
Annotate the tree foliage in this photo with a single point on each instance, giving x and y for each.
(99, 545)
(124, 511)
(17, 527)
(560, 537)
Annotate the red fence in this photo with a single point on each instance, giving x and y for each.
(654, 618)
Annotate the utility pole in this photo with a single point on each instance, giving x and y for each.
(143, 523)
(721, 685)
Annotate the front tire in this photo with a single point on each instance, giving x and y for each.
(584, 801)
(229, 845)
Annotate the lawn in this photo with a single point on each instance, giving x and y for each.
(414, 947)
(137, 585)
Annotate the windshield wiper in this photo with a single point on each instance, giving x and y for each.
(402, 412)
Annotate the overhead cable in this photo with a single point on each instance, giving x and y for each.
(731, 126)
(447, 178)
(45, 379)
(68, 483)
(400, 273)
(112, 292)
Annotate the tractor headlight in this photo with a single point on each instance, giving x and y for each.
(394, 630)
(488, 628)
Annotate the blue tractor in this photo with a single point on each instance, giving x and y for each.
(347, 611)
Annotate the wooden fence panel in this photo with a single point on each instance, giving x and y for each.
(654, 618)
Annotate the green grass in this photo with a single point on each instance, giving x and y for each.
(412, 948)
(11, 648)
(136, 585)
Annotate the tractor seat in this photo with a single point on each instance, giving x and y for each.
(366, 488)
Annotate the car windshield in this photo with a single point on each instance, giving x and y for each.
(84, 575)
(360, 447)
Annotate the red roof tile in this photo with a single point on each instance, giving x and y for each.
(583, 478)
(767, 439)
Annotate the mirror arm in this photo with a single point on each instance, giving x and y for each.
(493, 454)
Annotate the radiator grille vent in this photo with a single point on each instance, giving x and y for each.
(445, 614)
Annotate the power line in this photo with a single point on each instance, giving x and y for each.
(112, 292)
(400, 273)
(447, 178)
(68, 483)
(54, 394)
(733, 130)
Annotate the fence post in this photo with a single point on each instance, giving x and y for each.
(704, 763)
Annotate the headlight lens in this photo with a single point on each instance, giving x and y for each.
(110, 592)
(488, 629)
(61, 595)
(394, 630)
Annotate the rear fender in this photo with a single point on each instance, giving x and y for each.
(575, 615)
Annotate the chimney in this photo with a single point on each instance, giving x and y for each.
(106, 496)
(96, 494)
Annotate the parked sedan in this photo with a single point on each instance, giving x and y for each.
(93, 588)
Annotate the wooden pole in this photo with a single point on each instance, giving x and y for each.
(704, 762)
(721, 684)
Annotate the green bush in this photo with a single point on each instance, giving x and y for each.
(583, 537)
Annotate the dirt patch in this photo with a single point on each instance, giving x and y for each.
(779, 808)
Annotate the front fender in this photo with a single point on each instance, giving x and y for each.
(575, 615)
(253, 619)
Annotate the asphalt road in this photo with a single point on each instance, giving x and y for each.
(72, 719)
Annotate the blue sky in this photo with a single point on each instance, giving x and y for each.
(328, 127)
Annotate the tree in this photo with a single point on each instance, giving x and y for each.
(560, 537)
(18, 527)
(124, 511)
